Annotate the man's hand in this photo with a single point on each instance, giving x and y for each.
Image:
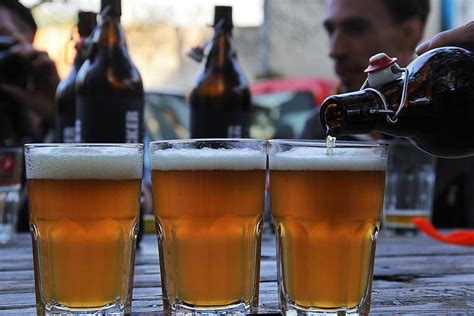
(460, 36)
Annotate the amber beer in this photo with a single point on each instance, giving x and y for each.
(84, 205)
(209, 206)
(327, 212)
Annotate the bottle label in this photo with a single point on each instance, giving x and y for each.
(132, 127)
(109, 119)
(220, 124)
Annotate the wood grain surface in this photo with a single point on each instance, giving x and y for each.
(413, 275)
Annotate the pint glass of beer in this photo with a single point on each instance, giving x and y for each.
(326, 207)
(209, 201)
(84, 202)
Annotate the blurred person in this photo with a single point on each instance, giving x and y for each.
(26, 109)
(28, 81)
(359, 29)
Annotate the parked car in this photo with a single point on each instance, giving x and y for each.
(166, 115)
(281, 106)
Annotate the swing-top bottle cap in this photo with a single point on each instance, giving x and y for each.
(379, 62)
(86, 22)
(115, 7)
(223, 13)
(382, 69)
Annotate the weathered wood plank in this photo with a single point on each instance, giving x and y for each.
(412, 275)
(20, 249)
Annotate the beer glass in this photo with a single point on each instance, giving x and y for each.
(84, 202)
(409, 187)
(326, 208)
(209, 201)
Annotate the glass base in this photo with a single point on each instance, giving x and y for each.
(289, 308)
(234, 309)
(292, 310)
(112, 309)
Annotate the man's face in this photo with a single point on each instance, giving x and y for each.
(358, 29)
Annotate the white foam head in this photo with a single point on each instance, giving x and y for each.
(207, 159)
(316, 158)
(70, 162)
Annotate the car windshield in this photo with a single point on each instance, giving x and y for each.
(166, 116)
(280, 114)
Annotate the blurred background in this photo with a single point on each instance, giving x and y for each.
(275, 38)
(281, 45)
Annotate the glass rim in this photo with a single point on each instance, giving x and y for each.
(85, 145)
(207, 140)
(323, 143)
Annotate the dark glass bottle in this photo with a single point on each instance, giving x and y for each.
(438, 115)
(66, 94)
(220, 98)
(110, 97)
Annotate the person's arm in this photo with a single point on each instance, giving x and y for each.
(461, 36)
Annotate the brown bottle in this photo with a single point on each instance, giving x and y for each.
(220, 99)
(109, 100)
(437, 115)
(66, 94)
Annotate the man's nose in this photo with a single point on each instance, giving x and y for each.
(337, 45)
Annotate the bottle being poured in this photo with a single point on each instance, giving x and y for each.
(431, 102)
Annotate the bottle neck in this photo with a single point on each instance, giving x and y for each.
(221, 50)
(352, 113)
(110, 32)
(109, 42)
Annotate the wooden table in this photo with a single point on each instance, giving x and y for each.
(412, 275)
